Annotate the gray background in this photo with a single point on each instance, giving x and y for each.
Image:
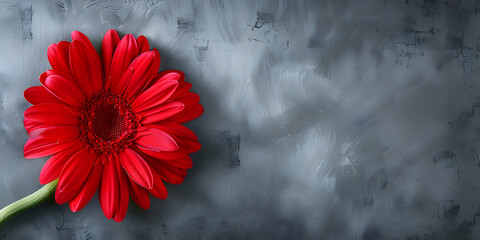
(323, 119)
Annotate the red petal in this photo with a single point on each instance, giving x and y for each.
(52, 168)
(62, 198)
(188, 114)
(177, 130)
(192, 108)
(137, 168)
(80, 37)
(38, 95)
(125, 52)
(142, 43)
(168, 173)
(36, 148)
(58, 56)
(55, 133)
(155, 140)
(109, 44)
(139, 194)
(182, 89)
(32, 125)
(186, 140)
(109, 191)
(186, 145)
(154, 96)
(86, 67)
(89, 188)
(170, 75)
(164, 155)
(122, 86)
(64, 89)
(144, 67)
(161, 112)
(185, 163)
(122, 207)
(159, 190)
(76, 170)
(74, 174)
(52, 113)
(189, 99)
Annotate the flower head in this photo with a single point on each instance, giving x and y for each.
(111, 123)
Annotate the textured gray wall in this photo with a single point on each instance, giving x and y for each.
(323, 119)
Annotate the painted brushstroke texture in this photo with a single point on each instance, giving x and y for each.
(323, 119)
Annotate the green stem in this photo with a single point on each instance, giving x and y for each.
(27, 202)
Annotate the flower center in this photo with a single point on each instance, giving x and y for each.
(107, 123)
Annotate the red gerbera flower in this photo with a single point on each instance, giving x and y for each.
(110, 123)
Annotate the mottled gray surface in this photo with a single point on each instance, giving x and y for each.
(323, 119)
